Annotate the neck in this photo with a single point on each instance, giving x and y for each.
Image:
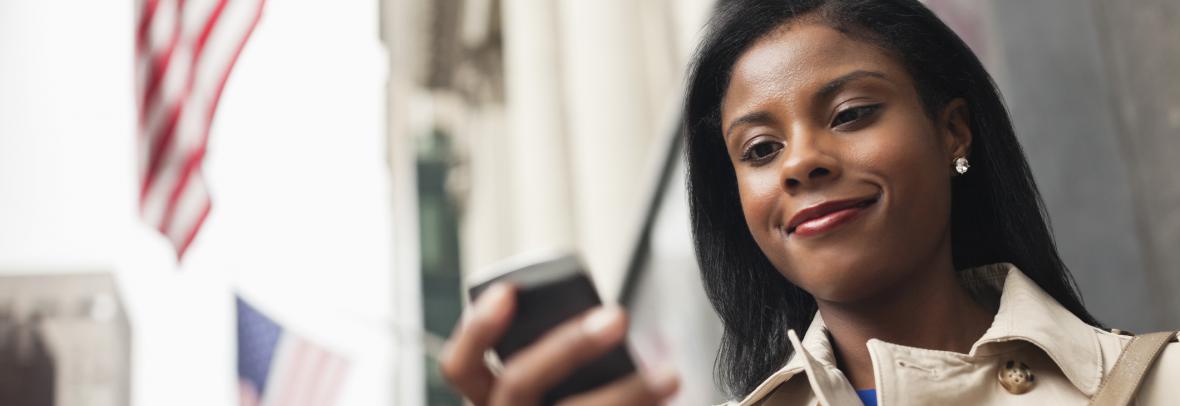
(928, 310)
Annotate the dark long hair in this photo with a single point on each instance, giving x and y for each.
(997, 214)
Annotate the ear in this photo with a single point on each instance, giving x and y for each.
(954, 127)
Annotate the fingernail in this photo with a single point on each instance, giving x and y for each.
(663, 381)
(490, 303)
(600, 320)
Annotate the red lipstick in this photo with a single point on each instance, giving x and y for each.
(826, 216)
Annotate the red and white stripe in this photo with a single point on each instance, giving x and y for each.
(304, 374)
(185, 51)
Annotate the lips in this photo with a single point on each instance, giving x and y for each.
(825, 216)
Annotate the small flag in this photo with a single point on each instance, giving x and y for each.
(278, 368)
(184, 52)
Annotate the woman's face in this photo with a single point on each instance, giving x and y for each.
(844, 178)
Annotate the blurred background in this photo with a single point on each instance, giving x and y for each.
(367, 155)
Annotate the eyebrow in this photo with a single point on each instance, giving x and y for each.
(755, 118)
(836, 84)
(827, 91)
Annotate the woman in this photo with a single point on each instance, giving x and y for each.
(853, 178)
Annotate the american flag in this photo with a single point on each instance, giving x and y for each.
(277, 368)
(184, 50)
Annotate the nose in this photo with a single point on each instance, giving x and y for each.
(808, 165)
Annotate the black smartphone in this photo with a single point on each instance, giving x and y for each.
(549, 291)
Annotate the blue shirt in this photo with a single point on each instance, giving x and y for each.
(868, 396)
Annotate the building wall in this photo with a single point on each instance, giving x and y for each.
(1075, 99)
(1141, 62)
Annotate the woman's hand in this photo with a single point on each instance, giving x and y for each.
(532, 371)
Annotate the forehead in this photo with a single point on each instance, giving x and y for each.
(798, 59)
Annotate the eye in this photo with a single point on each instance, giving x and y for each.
(761, 152)
(854, 114)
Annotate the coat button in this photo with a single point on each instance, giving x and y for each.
(1016, 377)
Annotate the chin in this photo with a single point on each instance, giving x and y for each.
(844, 278)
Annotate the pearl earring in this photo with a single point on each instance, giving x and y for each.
(961, 165)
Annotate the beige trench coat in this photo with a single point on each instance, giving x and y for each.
(1066, 357)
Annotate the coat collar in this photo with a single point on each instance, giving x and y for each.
(1029, 314)
(1026, 313)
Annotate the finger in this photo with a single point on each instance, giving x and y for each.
(532, 371)
(633, 390)
(462, 361)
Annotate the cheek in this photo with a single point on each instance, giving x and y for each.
(908, 159)
(902, 148)
(903, 161)
(760, 198)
